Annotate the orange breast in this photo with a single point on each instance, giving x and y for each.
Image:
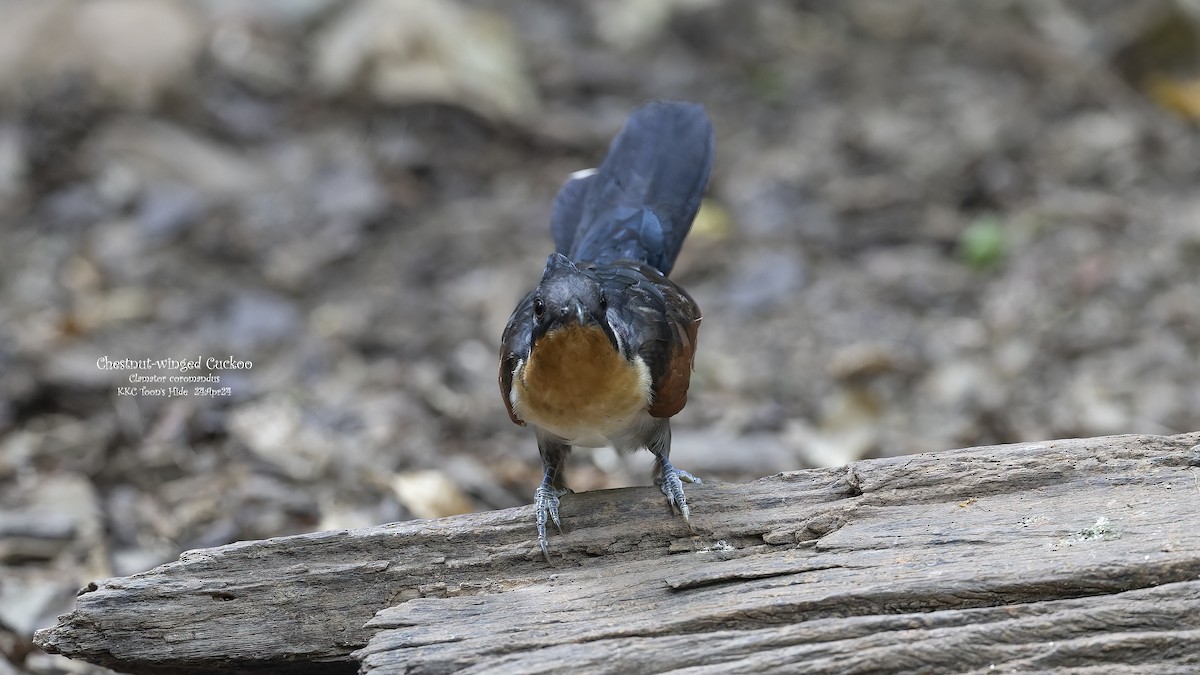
(575, 384)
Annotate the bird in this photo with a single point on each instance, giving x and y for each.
(601, 351)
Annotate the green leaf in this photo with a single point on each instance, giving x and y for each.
(983, 242)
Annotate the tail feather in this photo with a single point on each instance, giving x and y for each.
(567, 211)
(640, 203)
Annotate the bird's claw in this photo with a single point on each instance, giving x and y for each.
(670, 480)
(545, 507)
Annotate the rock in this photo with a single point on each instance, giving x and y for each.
(17, 449)
(281, 433)
(627, 24)
(29, 544)
(426, 51)
(167, 209)
(159, 152)
(430, 494)
(27, 604)
(254, 320)
(56, 526)
(256, 55)
(132, 51)
(49, 547)
(73, 496)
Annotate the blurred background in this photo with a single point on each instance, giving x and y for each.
(930, 225)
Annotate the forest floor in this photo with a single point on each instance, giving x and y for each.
(928, 226)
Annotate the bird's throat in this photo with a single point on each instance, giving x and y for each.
(575, 383)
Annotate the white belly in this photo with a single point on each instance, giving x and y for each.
(622, 433)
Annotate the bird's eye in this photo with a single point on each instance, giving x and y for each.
(603, 301)
(539, 307)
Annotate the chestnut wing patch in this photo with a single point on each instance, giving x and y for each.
(660, 322)
(671, 387)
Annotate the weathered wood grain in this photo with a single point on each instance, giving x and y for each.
(1079, 553)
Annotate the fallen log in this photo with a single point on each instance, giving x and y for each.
(1074, 553)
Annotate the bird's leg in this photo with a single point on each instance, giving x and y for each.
(554, 485)
(669, 479)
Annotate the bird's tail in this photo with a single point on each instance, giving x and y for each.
(640, 203)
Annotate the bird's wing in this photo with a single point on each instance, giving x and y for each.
(658, 322)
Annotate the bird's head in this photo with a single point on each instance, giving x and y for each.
(569, 298)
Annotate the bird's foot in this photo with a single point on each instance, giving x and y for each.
(545, 507)
(670, 480)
